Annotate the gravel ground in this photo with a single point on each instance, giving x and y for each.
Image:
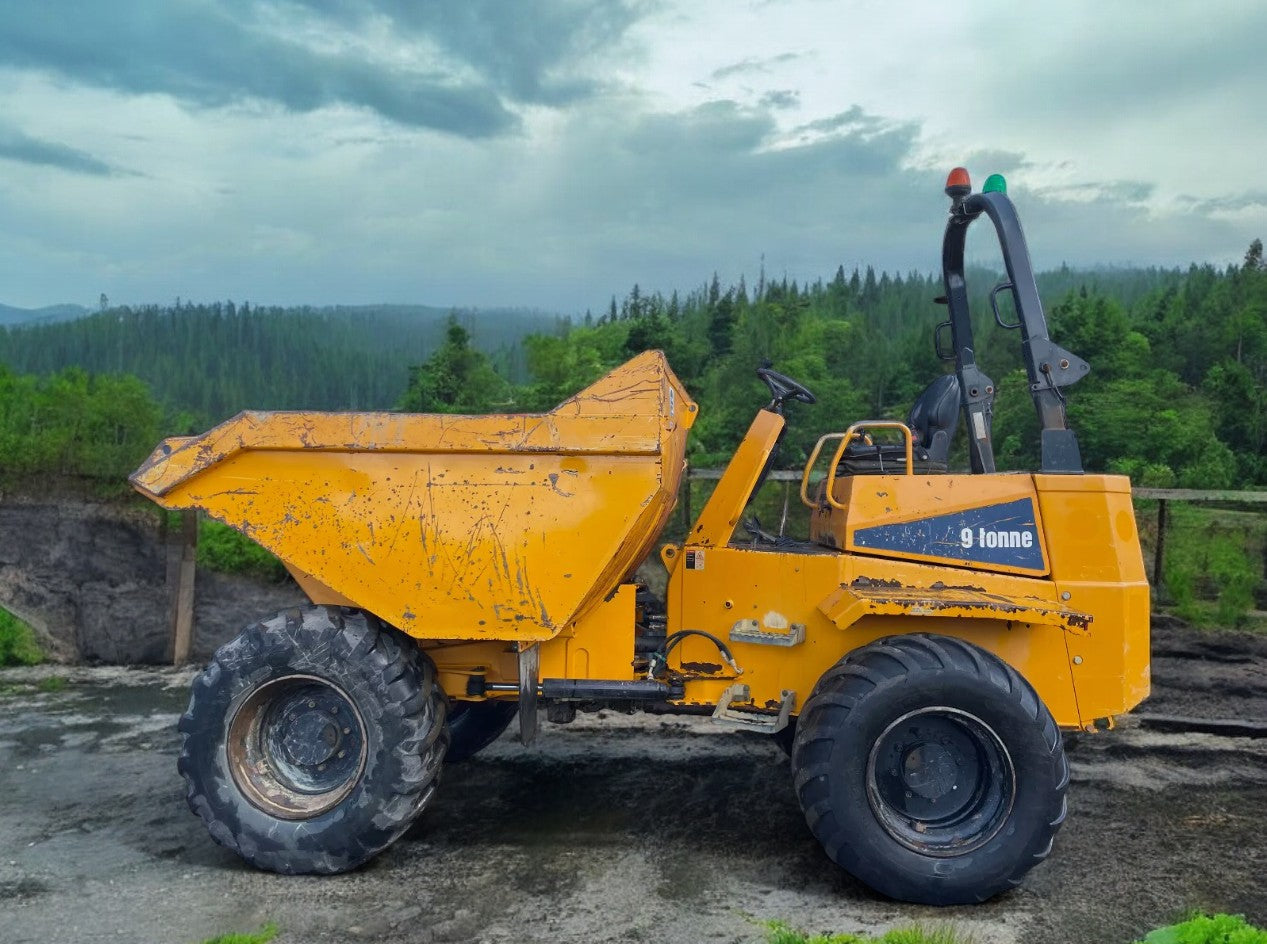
(614, 829)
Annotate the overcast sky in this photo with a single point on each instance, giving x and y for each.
(553, 153)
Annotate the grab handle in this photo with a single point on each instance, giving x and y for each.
(853, 432)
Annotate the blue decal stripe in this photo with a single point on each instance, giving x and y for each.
(1004, 534)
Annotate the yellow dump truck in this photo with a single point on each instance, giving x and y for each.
(917, 653)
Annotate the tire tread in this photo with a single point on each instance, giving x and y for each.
(869, 672)
(409, 705)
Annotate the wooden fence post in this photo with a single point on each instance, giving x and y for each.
(1159, 553)
(182, 568)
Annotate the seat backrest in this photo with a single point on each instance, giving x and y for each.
(934, 416)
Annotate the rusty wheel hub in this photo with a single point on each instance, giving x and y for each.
(296, 746)
(940, 781)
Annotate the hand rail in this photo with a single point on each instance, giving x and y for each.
(809, 467)
(853, 432)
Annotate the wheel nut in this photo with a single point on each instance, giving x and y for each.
(347, 730)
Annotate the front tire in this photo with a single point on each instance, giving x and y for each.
(313, 740)
(929, 769)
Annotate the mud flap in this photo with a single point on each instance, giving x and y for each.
(529, 664)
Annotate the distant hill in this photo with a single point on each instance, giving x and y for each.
(10, 315)
(213, 360)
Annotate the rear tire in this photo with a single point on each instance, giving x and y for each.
(473, 725)
(313, 740)
(929, 769)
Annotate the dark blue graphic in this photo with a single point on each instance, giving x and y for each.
(995, 534)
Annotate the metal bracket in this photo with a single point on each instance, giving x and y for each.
(529, 665)
(724, 714)
(749, 630)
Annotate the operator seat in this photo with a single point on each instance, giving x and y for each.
(932, 421)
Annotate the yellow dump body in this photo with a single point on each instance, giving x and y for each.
(499, 527)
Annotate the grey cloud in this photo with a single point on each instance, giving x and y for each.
(996, 161)
(752, 66)
(1112, 232)
(726, 151)
(780, 98)
(1231, 203)
(1115, 191)
(1106, 63)
(623, 195)
(714, 128)
(854, 118)
(525, 50)
(211, 56)
(1127, 191)
(668, 198)
(16, 146)
(616, 195)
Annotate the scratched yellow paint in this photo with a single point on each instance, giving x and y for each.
(468, 527)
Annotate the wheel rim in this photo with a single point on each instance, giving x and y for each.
(940, 781)
(296, 746)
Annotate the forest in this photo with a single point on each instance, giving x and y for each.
(204, 362)
(1175, 396)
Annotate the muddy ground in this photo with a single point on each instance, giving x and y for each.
(614, 829)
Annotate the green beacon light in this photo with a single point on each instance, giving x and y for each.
(995, 184)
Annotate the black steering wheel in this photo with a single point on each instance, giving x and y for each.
(784, 388)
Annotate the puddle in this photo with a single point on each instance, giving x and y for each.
(90, 716)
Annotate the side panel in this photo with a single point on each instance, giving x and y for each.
(1083, 526)
(503, 547)
(782, 590)
(1097, 566)
(599, 645)
(989, 523)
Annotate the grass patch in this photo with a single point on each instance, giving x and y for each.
(777, 932)
(17, 642)
(262, 936)
(1215, 556)
(1203, 615)
(24, 689)
(1208, 929)
(228, 551)
(1197, 929)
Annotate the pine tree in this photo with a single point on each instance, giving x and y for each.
(456, 379)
